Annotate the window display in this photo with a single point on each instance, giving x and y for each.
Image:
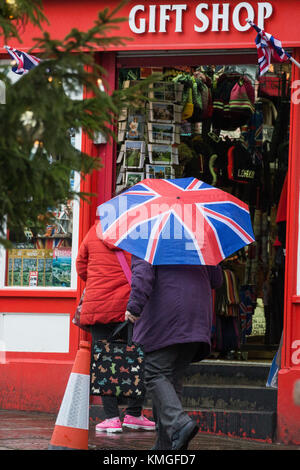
(45, 259)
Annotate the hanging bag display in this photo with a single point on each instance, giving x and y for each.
(117, 366)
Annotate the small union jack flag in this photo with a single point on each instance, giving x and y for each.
(269, 49)
(23, 61)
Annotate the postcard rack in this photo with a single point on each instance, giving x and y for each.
(149, 136)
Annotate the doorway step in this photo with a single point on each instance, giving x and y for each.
(231, 399)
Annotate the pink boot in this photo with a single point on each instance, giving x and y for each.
(139, 422)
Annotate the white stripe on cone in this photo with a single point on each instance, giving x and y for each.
(74, 410)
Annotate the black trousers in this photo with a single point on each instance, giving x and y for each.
(111, 404)
(164, 372)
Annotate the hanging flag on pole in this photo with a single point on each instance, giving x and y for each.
(23, 61)
(269, 50)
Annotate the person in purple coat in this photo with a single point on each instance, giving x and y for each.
(171, 307)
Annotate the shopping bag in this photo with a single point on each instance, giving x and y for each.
(117, 366)
(76, 318)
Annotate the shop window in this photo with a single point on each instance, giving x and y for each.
(45, 259)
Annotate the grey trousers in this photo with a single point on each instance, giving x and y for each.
(164, 371)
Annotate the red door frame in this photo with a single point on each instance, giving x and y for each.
(288, 416)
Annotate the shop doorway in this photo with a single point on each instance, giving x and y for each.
(236, 138)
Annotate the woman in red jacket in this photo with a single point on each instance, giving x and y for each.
(103, 309)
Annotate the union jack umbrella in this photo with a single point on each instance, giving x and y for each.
(179, 221)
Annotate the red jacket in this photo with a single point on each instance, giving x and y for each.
(107, 289)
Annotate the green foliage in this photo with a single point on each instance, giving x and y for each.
(36, 153)
(17, 13)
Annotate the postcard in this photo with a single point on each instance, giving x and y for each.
(162, 112)
(159, 171)
(135, 127)
(165, 112)
(134, 178)
(160, 133)
(160, 154)
(62, 258)
(166, 91)
(134, 154)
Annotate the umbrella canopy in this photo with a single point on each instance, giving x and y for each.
(179, 221)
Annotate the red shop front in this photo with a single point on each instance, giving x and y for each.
(38, 341)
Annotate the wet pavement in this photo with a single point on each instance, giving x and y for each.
(21, 430)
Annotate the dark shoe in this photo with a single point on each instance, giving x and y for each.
(181, 438)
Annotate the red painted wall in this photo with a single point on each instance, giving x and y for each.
(36, 381)
(288, 412)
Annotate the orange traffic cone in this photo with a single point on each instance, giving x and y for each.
(72, 423)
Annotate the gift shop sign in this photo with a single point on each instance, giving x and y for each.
(176, 24)
(201, 17)
(210, 25)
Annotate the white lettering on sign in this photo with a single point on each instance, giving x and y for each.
(144, 19)
(296, 94)
(202, 17)
(179, 9)
(152, 16)
(132, 22)
(217, 16)
(164, 17)
(265, 10)
(296, 353)
(237, 13)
